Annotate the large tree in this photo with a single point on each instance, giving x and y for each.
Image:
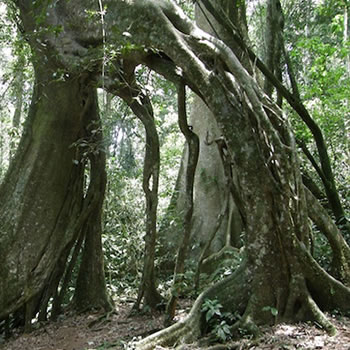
(48, 196)
(216, 223)
(258, 138)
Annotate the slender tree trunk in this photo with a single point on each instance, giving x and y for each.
(192, 160)
(142, 107)
(273, 43)
(263, 151)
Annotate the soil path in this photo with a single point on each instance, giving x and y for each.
(98, 332)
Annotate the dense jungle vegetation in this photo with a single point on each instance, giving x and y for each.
(144, 158)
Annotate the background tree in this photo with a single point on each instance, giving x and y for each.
(16, 80)
(256, 134)
(216, 223)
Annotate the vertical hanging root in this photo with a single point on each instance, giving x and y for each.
(192, 160)
(142, 107)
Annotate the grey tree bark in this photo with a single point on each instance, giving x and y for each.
(210, 186)
(257, 136)
(43, 205)
(141, 105)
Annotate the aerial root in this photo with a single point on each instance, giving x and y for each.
(311, 311)
(188, 330)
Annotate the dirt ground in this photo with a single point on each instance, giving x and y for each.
(98, 332)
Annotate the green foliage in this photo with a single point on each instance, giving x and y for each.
(187, 6)
(211, 308)
(321, 250)
(183, 286)
(222, 331)
(16, 76)
(218, 322)
(123, 231)
(124, 214)
(272, 310)
(320, 57)
(226, 266)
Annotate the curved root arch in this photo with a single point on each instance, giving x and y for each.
(257, 136)
(230, 292)
(251, 124)
(142, 107)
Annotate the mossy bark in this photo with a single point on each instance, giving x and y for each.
(141, 105)
(41, 194)
(90, 292)
(263, 151)
(44, 207)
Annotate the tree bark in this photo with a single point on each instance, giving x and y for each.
(296, 104)
(19, 82)
(210, 186)
(42, 196)
(90, 292)
(44, 173)
(263, 151)
(273, 43)
(192, 141)
(142, 107)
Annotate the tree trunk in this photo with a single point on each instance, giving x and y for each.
(273, 43)
(210, 186)
(90, 292)
(259, 140)
(192, 141)
(42, 197)
(142, 107)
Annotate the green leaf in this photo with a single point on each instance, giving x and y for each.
(274, 311)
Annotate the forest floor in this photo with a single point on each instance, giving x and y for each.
(98, 332)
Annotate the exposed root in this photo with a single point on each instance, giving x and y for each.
(329, 293)
(184, 331)
(308, 308)
(319, 317)
(232, 294)
(340, 249)
(245, 326)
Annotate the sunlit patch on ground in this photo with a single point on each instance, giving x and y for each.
(99, 332)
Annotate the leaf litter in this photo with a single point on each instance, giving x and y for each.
(96, 331)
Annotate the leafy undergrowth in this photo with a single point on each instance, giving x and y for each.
(97, 332)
